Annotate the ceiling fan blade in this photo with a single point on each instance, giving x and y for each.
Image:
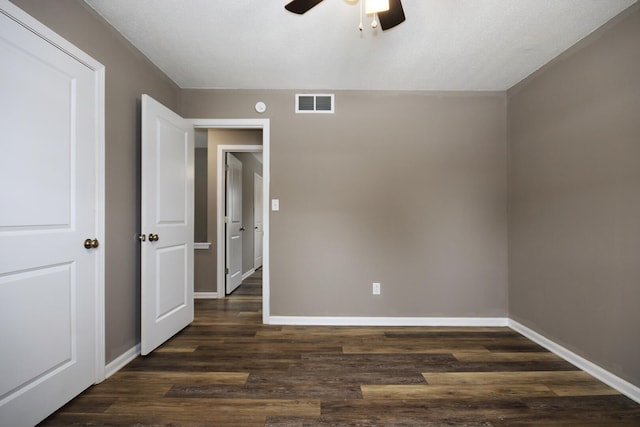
(393, 16)
(301, 6)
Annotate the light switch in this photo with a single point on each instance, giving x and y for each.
(275, 204)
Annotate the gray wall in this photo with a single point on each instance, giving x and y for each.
(407, 189)
(574, 223)
(128, 75)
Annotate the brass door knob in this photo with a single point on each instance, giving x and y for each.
(91, 243)
(153, 237)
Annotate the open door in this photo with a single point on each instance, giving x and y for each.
(167, 224)
(233, 220)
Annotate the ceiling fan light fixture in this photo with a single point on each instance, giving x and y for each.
(375, 6)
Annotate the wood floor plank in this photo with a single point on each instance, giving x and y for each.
(181, 410)
(337, 377)
(178, 349)
(413, 347)
(500, 391)
(115, 388)
(551, 379)
(590, 389)
(267, 391)
(490, 356)
(164, 377)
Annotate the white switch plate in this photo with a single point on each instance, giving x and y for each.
(275, 204)
(376, 289)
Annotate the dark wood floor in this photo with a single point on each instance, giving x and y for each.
(227, 369)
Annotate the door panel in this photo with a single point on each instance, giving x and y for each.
(49, 139)
(172, 167)
(167, 223)
(234, 223)
(171, 262)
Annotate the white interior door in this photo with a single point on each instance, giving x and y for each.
(234, 227)
(167, 224)
(258, 222)
(50, 124)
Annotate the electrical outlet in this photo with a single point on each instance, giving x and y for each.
(376, 289)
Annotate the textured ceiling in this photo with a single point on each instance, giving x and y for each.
(443, 45)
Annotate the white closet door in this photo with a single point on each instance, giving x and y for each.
(49, 137)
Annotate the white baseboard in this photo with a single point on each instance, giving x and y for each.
(387, 321)
(121, 361)
(205, 295)
(624, 387)
(248, 273)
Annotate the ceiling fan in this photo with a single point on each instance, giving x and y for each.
(388, 18)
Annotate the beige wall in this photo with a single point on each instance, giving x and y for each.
(407, 189)
(201, 169)
(128, 75)
(574, 225)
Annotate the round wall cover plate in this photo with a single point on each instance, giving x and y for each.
(261, 107)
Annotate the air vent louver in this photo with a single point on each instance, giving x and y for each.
(314, 103)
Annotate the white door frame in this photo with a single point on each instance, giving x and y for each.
(27, 21)
(260, 124)
(256, 178)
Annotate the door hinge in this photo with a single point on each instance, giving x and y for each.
(226, 220)
(226, 271)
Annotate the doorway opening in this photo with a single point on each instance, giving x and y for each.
(242, 222)
(216, 234)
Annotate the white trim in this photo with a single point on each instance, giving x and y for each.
(205, 295)
(264, 125)
(388, 321)
(200, 246)
(248, 273)
(121, 361)
(612, 380)
(100, 228)
(30, 23)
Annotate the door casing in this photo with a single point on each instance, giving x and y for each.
(259, 124)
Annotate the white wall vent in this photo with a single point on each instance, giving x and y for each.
(315, 102)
